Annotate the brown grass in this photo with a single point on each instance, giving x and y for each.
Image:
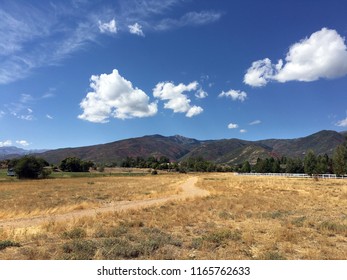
(243, 218)
(43, 197)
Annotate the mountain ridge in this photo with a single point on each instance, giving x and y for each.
(177, 148)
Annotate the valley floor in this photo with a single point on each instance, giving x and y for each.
(174, 216)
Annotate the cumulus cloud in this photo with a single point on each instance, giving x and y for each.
(233, 125)
(5, 143)
(255, 122)
(114, 96)
(243, 130)
(23, 143)
(342, 123)
(176, 100)
(234, 95)
(49, 117)
(136, 29)
(110, 27)
(322, 55)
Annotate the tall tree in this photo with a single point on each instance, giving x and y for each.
(340, 160)
(310, 163)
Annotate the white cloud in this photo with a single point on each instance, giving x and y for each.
(233, 125)
(234, 95)
(193, 111)
(2, 113)
(114, 96)
(255, 122)
(189, 19)
(259, 73)
(176, 100)
(35, 35)
(22, 143)
(110, 27)
(6, 143)
(201, 93)
(136, 29)
(49, 117)
(243, 130)
(322, 55)
(342, 123)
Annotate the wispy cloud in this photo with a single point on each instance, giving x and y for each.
(189, 19)
(136, 29)
(342, 123)
(110, 27)
(255, 122)
(34, 36)
(21, 109)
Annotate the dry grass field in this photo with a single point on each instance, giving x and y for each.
(241, 218)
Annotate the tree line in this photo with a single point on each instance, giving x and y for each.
(311, 164)
(35, 167)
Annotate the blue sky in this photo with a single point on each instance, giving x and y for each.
(79, 72)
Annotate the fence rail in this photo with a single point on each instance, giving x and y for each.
(296, 175)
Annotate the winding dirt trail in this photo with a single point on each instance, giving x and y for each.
(189, 190)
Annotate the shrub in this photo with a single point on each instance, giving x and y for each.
(30, 167)
(8, 243)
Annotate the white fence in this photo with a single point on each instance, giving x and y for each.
(296, 175)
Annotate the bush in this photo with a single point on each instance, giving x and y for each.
(8, 243)
(30, 167)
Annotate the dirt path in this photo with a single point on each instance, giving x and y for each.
(189, 190)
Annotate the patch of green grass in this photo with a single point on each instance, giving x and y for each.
(75, 233)
(8, 243)
(333, 227)
(79, 250)
(299, 222)
(273, 255)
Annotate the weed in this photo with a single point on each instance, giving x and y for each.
(225, 215)
(79, 250)
(75, 233)
(273, 255)
(334, 227)
(8, 243)
(116, 248)
(299, 222)
(221, 236)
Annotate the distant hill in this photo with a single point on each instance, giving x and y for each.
(173, 147)
(13, 152)
(177, 148)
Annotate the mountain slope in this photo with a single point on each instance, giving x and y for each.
(173, 147)
(176, 148)
(322, 142)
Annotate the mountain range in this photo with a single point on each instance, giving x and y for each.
(176, 148)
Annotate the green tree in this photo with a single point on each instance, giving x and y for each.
(294, 165)
(30, 167)
(323, 163)
(246, 167)
(310, 163)
(73, 164)
(340, 160)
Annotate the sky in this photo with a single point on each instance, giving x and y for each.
(78, 72)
